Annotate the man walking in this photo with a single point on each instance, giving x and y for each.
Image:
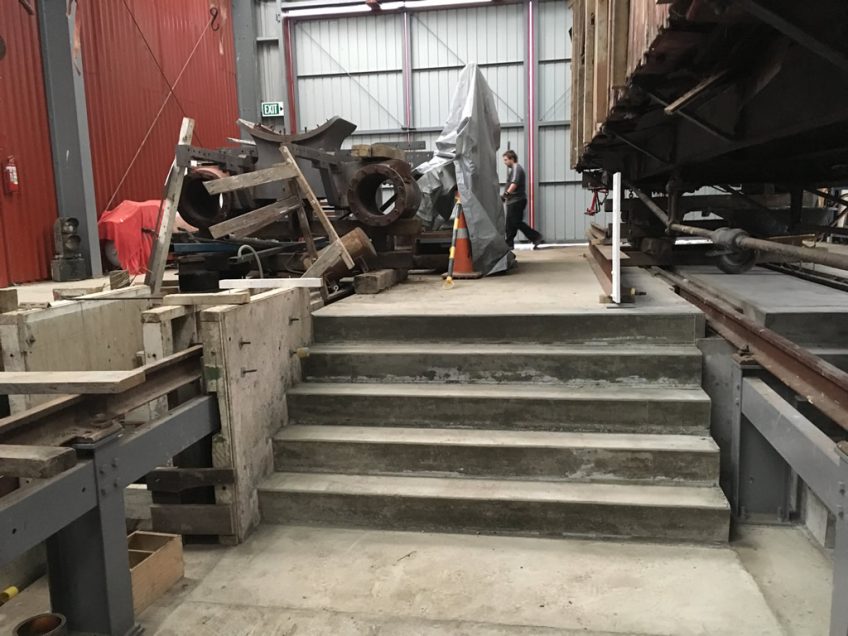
(515, 197)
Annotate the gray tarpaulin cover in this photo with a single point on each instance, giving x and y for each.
(466, 155)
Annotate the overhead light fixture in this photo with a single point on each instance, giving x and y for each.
(318, 11)
(341, 9)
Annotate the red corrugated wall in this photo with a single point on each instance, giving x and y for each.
(26, 216)
(132, 50)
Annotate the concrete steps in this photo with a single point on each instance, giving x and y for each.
(648, 409)
(623, 326)
(497, 363)
(497, 506)
(509, 454)
(590, 423)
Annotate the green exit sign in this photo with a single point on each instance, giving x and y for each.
(272, 109)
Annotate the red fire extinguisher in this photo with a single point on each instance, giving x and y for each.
(10, 176)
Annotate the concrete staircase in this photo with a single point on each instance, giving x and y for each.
(603, 432)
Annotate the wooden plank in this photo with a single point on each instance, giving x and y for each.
(577, 71)
(588, 109)
(36, 462)
(379, 280)
(601, 76)
(619, 24)
(175, 480)
(327, 258)
(270, 283)
(702, 86)
(192, 518)
(254, 220)
(377, 151)
(67, 382)
(166, 313)
(277, 172)
(306, 193)
(8, 299)
(174, 187)
(229, 297)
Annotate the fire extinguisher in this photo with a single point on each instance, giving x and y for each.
(10, 176)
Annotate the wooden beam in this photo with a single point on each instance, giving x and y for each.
(69, 382)
(230, 297)
(699, 88)
(306, 193)
(168, 214)
(589, 71)
(35, 462)
(602, 61)
(192, 518)
(8, 299)
(245, 224)
(270, 283)
(379, 280)
(278, 172)
(179, 479)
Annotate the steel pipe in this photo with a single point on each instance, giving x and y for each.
(739, 239)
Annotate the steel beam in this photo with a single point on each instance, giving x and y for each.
(810, 452)
(822, 384)
(247, 60)
(791, 19)
(80, 513)
(68, 114)
(28, 516)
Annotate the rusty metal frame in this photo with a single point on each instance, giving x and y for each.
(602, 268)
(819, 382)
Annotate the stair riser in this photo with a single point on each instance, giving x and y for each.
(497, 462)
(575, 369)
(589, 415)
(578, 328)
(483, 516)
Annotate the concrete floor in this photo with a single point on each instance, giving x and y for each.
(297, 580)
(548, 280)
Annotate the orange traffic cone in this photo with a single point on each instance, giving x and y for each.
(459, 264)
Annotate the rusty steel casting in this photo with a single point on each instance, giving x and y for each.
(196, 205)
(366, 184)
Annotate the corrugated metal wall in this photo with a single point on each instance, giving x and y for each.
(27, 216)
(134, 53)
(353, 67)
(561, 201)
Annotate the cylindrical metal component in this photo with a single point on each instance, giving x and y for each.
(43, 625)
(739, 239)
(197, 206)
(366, 185)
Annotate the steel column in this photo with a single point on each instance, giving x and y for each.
(88, 560)
(69, 138)
(247, 60)
(839, 599)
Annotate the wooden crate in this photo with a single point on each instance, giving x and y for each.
(156, 564)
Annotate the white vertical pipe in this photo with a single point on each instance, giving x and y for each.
(616, 238)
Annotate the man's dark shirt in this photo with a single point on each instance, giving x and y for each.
(516, 175)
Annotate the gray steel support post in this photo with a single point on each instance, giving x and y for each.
(88, 561)
(247, 59)
(66, 107)
(839, 600)
(762, 479)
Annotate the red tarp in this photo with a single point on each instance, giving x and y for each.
(131, 226)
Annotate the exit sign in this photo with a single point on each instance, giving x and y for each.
(272, 109)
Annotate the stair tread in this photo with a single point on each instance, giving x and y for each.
(496, 438)
(700, 497)
(448, 348)
(494, 391)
